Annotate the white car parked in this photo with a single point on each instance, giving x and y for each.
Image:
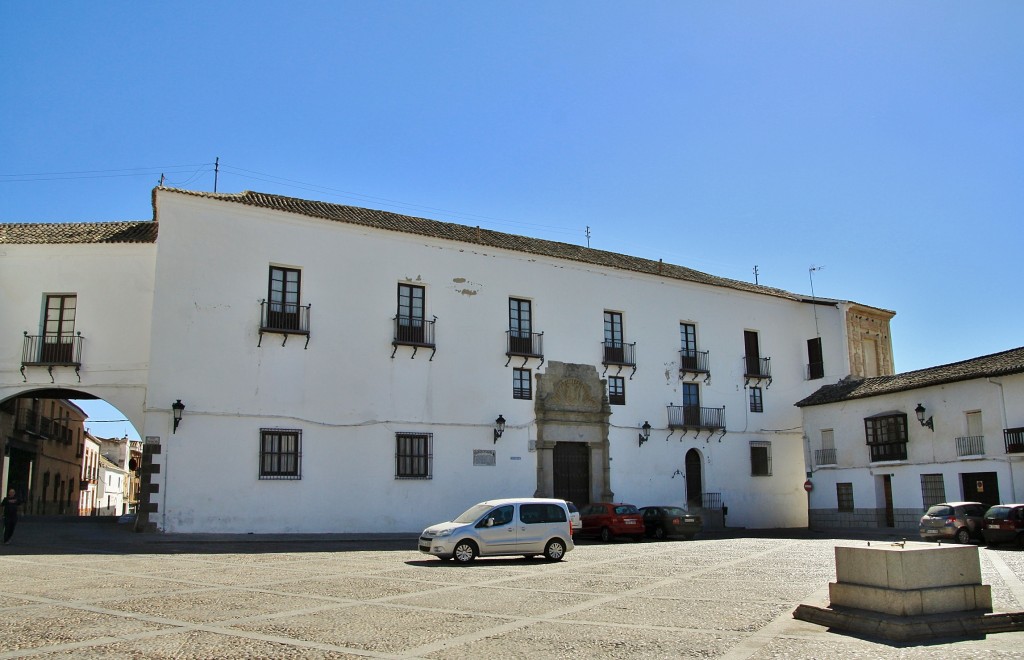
(523, 526)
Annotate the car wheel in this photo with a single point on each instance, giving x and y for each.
(464, 552)
(606, 535)
(963, 536)
(659, 533)
(554, 550)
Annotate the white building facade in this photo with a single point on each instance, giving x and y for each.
(882, 450)
(342, 369)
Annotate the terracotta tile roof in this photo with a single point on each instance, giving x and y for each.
(986, 366)
(143, 231)
(475, 235)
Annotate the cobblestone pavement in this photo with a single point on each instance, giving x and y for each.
(95, 590)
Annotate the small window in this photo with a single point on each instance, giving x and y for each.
(844, 496)
(617, 390)
(522, 384)
(756, 400)
(760, 459)
(414, 455)
(280, 454)
(933, 490)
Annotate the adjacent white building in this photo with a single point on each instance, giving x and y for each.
(345, 369)
(884, 449)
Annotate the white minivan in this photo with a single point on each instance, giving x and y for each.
(527, 526)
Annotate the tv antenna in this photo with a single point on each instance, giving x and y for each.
(810, 275)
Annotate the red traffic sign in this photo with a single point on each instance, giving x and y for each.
(808, 486)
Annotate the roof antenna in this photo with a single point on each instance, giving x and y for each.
(588, 235)
(810, 274)
(161, 184)
(216, 172)
(755, 274)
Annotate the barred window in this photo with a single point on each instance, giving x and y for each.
(280, 454)
(844, 496)
(933, 489)
(414, 458)
(760, 459)
(521, 384)
(756, 400)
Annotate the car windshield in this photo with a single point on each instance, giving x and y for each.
(626, 508)
(473, 513)
(674, 511)
(939, 511)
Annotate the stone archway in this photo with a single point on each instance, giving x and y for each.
(571, 407)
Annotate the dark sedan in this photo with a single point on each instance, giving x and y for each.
(664, 521)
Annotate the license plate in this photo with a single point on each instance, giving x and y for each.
(931, 531)
(630, 522)
(993, 526)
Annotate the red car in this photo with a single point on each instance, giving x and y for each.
(610, 519)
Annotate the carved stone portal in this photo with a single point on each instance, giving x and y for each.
(572, 407)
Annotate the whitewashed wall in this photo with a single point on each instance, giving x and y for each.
(114, 285)
(927, 452)
(349, 397)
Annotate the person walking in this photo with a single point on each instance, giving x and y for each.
(10, 506)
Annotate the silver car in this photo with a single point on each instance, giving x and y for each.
(953, 521)
(523, 526)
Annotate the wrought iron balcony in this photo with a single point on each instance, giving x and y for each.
(284, 319)
(524, 344)
(1014, 440)
(415, 332)
(757, 368)
(51, 351)
(825, 456)
(619, 354)
(971, 445)
(696, 417)
(694, 362)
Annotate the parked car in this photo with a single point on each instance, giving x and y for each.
(954, 521)
(526, 526)
(1004, 523)
(664, 521)
(574, 516)
(610, 519)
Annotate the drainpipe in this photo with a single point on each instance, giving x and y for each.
(1009, 464)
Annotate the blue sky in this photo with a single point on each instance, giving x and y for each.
(882, 141)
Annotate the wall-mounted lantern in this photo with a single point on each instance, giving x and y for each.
(499, 428)
(177, 408)
(645, 433)
(920, 417)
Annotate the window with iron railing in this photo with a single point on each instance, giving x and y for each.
(1013, 440)
(696, 417)
(414, 457)
(825, 456)
(970, 445)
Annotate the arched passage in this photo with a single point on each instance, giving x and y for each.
(57, 465)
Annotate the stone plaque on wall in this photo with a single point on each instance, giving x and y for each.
(486, 457)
